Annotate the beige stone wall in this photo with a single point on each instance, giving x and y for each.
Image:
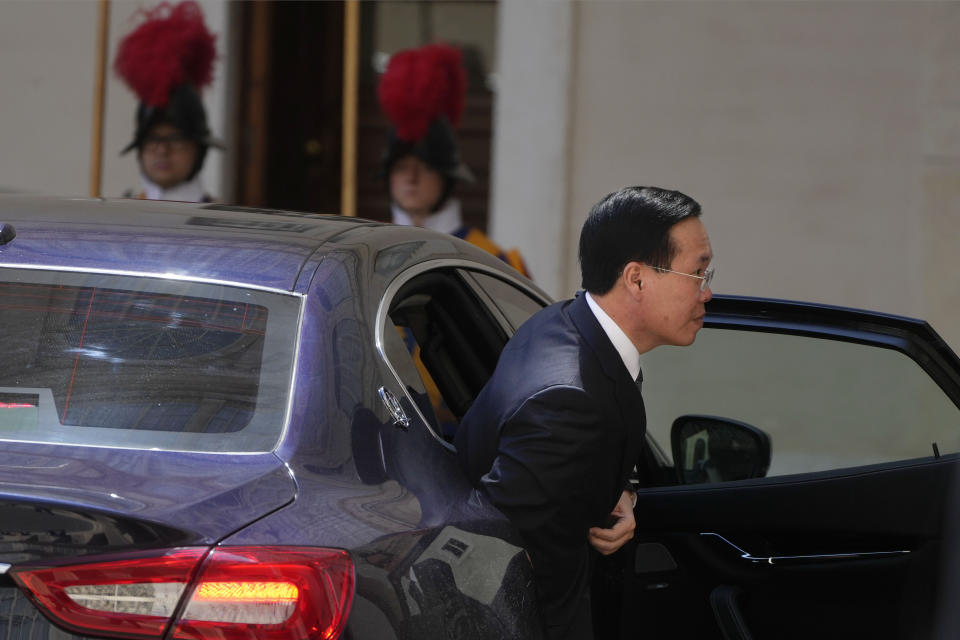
(941, 178)
(822, 138)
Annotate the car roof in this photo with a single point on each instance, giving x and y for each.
(260, 247)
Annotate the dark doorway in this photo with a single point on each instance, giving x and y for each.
(291, 106)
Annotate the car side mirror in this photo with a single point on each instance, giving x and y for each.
(712, 449)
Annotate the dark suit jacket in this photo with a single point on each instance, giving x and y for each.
(551, 441)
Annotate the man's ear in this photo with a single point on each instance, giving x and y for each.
(632, 277)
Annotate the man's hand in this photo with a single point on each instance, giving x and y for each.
(606, 541)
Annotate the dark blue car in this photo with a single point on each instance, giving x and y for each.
(226, 423)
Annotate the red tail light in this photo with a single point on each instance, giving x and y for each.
(270, 593)
(130, 597)
(266, 593)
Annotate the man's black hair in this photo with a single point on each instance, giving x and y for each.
(630, 225)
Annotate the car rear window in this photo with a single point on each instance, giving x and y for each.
(137, 362)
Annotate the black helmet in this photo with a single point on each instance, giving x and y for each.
(437, 149)
(185, 112)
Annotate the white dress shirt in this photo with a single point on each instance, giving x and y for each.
(623, 344)
(188, 191)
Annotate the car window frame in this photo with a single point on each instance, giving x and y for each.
(480, 289)
(913, 338)
(462, 267)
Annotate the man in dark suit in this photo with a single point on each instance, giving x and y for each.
(554, 436)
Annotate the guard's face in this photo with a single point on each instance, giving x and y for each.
(414, 186)
(676, 302)
(167, 156)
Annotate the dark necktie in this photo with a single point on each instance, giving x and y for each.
(639, 380)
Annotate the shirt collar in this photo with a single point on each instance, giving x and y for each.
(624, 346)
(188, 191)
(446, 220)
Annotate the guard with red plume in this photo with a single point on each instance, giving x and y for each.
(166, 61)
(422, 93)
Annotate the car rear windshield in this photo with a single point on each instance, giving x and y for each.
(147, 363)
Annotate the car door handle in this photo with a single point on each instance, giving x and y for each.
(400, 419)
(807, 559)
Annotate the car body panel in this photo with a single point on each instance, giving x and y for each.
(341, 476)
(203, 496)
(202, 241)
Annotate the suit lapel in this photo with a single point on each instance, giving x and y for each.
(629, 400)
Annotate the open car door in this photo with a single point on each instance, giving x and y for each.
(837, 534)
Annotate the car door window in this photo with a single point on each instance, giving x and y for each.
(826, 404)
(443, 335)
(515, 304)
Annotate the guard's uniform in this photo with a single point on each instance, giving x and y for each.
(512, 257)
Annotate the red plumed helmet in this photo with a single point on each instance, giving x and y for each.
(421, 85)
(171, 47)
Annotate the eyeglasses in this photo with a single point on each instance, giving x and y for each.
(174, 142)
(704, 279)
